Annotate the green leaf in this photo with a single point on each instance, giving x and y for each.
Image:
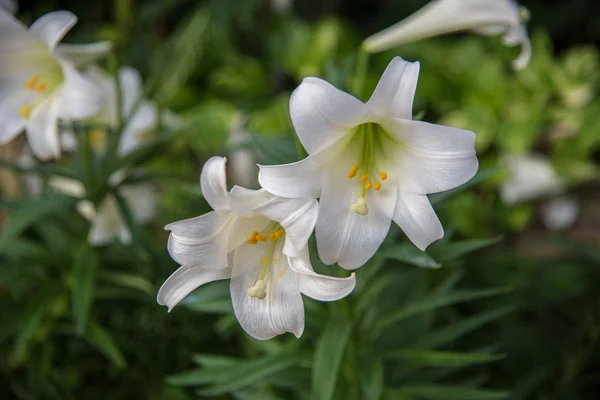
(132, 281)
(435, 302)
(409, 254)
(102, 341)
(27, 212)
(445, 392)
(452, 251)
(442, 359)
(328, 358)
(372, 380)
(85, 269)
(452, 332)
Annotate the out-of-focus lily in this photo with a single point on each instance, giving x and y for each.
(485, 17)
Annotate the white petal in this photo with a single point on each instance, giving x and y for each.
(242, 227)
(70, 187)
(183, 281)
(200, 241)
(131, 87)
(316, 286)
(9, 5)
(322, 114)
(281, 310)
(10, 26)
(142, 123)
(52, 27)
(11, 123)
(213, 183)
(142, 199)
(432, 158)
(296, 216)
(530, 176)
(42, 130)
(302, 178)
(560, 213)
(345, 237)
(395, 91)
(417, 219)
(80, 97)
(83, 54)
(107, 224)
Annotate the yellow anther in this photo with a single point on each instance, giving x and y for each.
(32, 83)
(262, 238)
(25, 111)
(276, 234)
(41, 87)
(351, 174)
(377, 185)
(368, 185)
(252, 240)
(354, 168)
(363, 177)
(383, 176)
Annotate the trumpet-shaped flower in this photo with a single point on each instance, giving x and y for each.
(38, 85)
(140, 125)
(485, 17)
(257, 240)
(370, 164)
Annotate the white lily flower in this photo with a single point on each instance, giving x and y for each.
(140, 125)
(257, 240)
(370, 164)
(9, 5)
(37, 85)
(485, 17)
(531, 177)
(242, 164)
(107, 222)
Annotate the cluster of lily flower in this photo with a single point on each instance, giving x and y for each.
(368, 164)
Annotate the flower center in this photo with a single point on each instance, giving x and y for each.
(40, 86)
(371, 140)
(275, 233)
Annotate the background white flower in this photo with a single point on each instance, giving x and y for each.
(257, 240)
(10, 5)
(370, 164)
(485, 17)
(242, 165)
(532, 177)
(38, 84)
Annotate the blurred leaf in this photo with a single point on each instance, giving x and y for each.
(27, 212)
(99, 338)
(409, 254)
(128, 280)
(372, 379)
(452, 251)
(328, 358)
(442, 359)
(481, 176)
(85, 269)
(444, 392)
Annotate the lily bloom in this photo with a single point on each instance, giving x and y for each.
(38, 85)
(485, 17)
(257, 240)
(370, 163)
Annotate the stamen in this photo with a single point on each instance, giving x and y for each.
(355, 168)
(363, 177)
(25, 111)
(276, 234)
(253, 239)
(360, 207)
(262, 238)
(351, 174)
(383, 176)
(368, 185)
(41, 87)
(377, 185)
(32, 83)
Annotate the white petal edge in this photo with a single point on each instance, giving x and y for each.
(213, 183)
(394, 95)
(322, 114)
(417, 219)
(316, 286)
(185, 280)
(42, 130)
(201, 241)
(81, 55)
(52, 27)
(80, 97)
(432, 158)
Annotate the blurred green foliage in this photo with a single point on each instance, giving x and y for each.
(475, 317)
